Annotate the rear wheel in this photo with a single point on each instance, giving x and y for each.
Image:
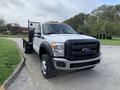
(46, 66)
(28, 48)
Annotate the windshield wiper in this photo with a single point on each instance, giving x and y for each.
(50, 33)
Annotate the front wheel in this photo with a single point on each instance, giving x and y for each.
(46, 66)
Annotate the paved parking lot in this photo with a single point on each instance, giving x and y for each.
(106, 76)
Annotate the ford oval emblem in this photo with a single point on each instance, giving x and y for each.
(86, 50)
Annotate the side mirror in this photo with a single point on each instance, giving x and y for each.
(37, 34)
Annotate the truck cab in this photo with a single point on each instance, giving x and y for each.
(60, 47)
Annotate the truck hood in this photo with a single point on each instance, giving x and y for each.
(65, 37)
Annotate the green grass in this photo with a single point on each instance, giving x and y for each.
(14, 36)
(9, 58)
(115, 41)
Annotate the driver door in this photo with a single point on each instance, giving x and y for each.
(37, 39)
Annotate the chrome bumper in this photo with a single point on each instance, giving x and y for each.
(69, 63)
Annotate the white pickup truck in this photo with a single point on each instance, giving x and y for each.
(60, 47)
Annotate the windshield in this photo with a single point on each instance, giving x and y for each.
(58, 29)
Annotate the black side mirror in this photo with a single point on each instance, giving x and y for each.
(37, 34)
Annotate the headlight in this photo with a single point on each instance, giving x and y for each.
(58, 48)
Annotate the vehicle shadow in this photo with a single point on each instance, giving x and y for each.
(72, 79)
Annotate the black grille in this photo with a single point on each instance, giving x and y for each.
(82, 49)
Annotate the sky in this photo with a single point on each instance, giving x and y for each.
(20, 11)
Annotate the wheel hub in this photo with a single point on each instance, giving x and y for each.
(44, 67)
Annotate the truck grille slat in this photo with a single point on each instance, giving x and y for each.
(83, 46)
(82, 53)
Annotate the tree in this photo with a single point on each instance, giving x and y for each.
(85, 29)
(76, 20)
(2, 25)
(103, 20)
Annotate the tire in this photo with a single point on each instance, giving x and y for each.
(28, 49)
(46, 66)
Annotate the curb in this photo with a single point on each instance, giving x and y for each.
(16, 72)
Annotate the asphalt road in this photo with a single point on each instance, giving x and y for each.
(106, 76)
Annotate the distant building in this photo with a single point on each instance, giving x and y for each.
(24, 30)
(15, 28)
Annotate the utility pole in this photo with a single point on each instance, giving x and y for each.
(98, 17)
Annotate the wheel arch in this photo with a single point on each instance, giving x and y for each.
(45, 48)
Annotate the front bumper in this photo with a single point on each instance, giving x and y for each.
(64, 64)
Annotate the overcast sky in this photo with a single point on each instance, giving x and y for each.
(45, 10)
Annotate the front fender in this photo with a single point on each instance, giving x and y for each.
(47, 47)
